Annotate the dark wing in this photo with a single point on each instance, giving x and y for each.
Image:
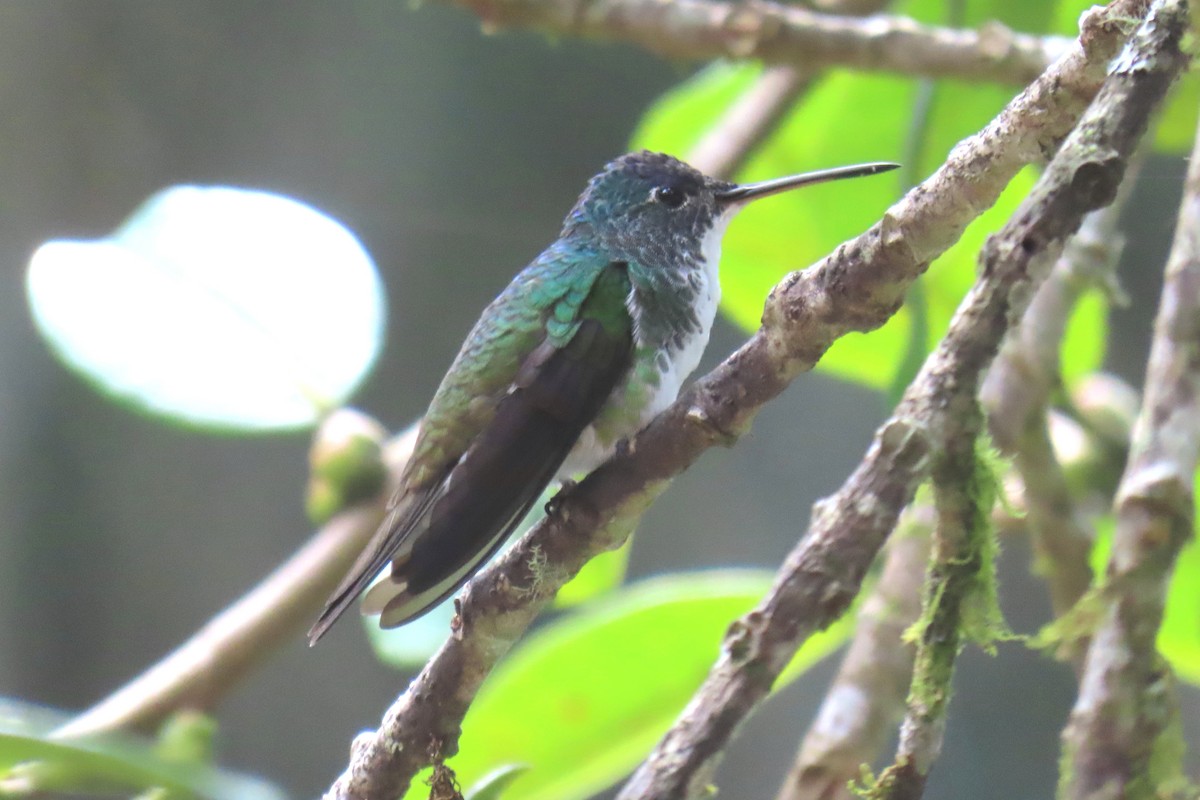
(438, 538)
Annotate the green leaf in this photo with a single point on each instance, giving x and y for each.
(186, 738)
(598, 577)
(1175, 131)
(1086, 337)
(1179, 637)
(30, 757)
(216, 307)
(583, 699)
(410, 645)
(494, 785)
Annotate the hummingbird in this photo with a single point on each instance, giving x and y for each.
(582, 349)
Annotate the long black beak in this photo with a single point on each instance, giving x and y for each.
(744, 193)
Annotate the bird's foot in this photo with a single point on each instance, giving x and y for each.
(554, 504)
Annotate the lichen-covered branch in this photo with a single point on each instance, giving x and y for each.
(1017, 394)
(1123, 705)
(857, 288)
(778, 33)
(959, 602)
(866, 698)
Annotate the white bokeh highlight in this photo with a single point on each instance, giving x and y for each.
(216, 306)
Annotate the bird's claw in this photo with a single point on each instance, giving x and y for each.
(554, 504)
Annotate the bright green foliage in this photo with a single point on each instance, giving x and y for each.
(1175, 131)
(582, 700)
(216, 307)
(1179, 638)
(121, 765)
(494, 785)
(600, 575)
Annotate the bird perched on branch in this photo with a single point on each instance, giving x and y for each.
(584, 347)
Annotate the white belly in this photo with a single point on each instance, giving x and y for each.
(592, 449)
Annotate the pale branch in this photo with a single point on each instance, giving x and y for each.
(1017, 394)
(867, 695)
(940, 405)
(1123, 706)
(857, 288)
(778, 33)
(202, 670)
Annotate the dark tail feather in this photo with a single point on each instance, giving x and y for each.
(557, 393)
(439, 542)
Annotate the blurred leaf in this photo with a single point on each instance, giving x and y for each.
(186, 738)
(216, 307)
(1066, 16)
(29, 756)
(494, 785)
(1175, 131)
(1179, 639)
(411, 645)
(1086, 337)
(583, 699)
(599, 576)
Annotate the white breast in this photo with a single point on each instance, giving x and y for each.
(590, 450)
(685, 360)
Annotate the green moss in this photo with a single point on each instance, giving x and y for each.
(1064, 636)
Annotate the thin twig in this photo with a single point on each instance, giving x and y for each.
(1123, 706)
(776, 33)
(856, 288)
(867, 696)
(202, 670)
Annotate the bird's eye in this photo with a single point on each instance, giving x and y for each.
(669, 196)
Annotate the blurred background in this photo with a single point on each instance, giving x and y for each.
(453, 155)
